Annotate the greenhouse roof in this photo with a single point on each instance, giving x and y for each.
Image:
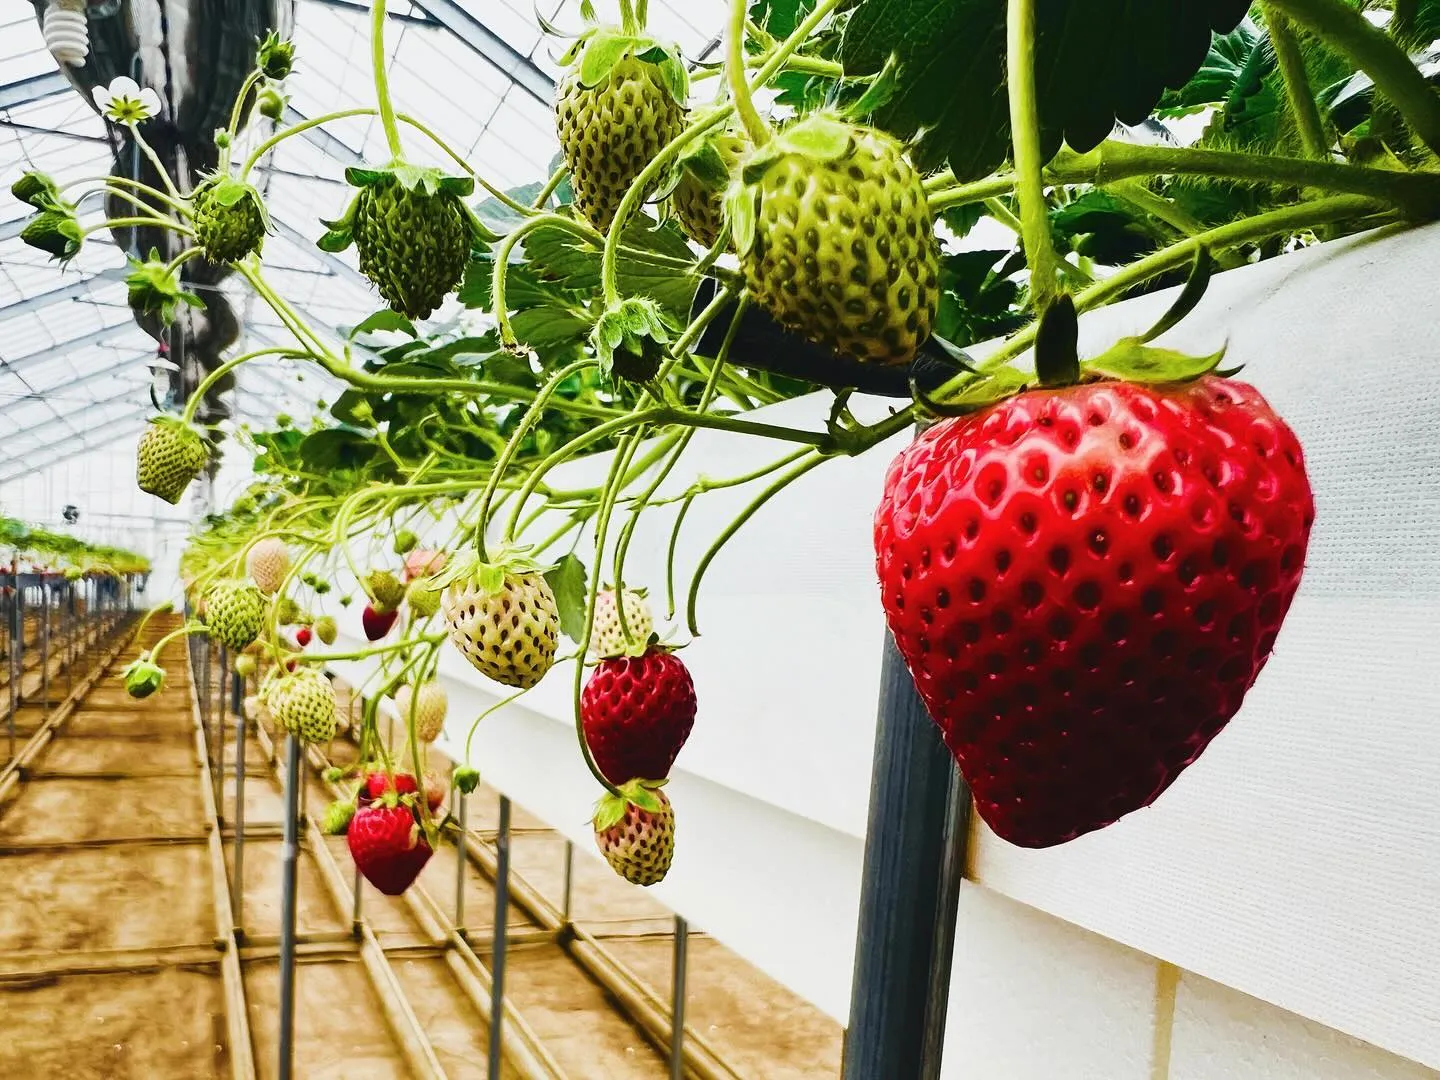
(73, 362)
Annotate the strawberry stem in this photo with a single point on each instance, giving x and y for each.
(755, 125)
(1029, 160)
(382, 81)
(1396, 77)
(1297, 83)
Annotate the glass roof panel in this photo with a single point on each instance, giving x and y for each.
(471, 100)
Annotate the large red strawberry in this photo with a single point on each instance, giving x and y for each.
(1085, 582)
(637, 712)
(388, 845)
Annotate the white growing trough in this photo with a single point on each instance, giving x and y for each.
(1297, 862)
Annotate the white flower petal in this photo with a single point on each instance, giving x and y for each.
(151, 100)
(124, 86)
(101, 96)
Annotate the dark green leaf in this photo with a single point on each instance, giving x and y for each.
(384, 320)
(337, 448)
(567, 580)
(1132, 361)
(1098, 62)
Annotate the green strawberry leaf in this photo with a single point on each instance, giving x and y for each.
(359, 177)
(951, 56)
(229, 190)
(1130, 360)
(462, 187)
(672, 71)
(608, 812)
(877, 94)
(818, 137)
(740, 212)
(336, 239)
(704, 163)
(602, 52)
(641, 794)
(567, 580)
(422, 178)
(384, 319)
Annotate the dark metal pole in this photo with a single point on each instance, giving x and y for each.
(291, 856)
(462, 805)
(237, 885)
(569, 883)
(502, 918)
(679, 968)
(218, 781)
(914, 860)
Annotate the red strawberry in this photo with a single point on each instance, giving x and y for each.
(377, 623)
(388, 845)
(302, 636)
(637, 712)
(1085, 582)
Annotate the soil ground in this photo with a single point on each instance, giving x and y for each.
(120, 922)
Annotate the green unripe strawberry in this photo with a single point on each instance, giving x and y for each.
(836, 240)
(304, 705)
(326, 630)
(229, 218)
(55, 232)
(143, 677)
(287, 611)
(234, 613)
(385, 589)
(245, 666)
(699, 198)
(412, 244)
(171, 455)
(506, 622)
(404, 542)
(423, 598)
(613, 118)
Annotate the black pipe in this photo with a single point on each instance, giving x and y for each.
(914, 861)
(762, 344)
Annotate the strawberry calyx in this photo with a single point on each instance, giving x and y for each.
(610, 808)
(631, 338)
(488, 575)
(598, 48)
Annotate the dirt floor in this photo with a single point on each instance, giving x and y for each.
(126, 949)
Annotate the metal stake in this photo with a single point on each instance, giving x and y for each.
(914, 859)
(237, 884)
(502, 918)
(462, 806)
(569, 879)
(679, 967)
(290, 867)
(45, 643)
(17, 636)
(219, 777)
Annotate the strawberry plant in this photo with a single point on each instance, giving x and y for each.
(1084, 561)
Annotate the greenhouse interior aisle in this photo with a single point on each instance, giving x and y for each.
(116, 955)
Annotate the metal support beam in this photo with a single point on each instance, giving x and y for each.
(18, 364)
(491, 47)
(36, 88)
(69, 291)
(68, 450)
(364, 8)
(914, 862)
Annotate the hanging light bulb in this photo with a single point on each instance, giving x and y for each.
(67, 31)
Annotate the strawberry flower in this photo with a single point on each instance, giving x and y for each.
(124, 102)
